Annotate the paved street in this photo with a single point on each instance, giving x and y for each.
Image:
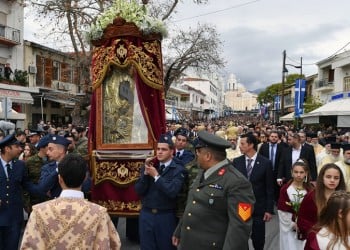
(272, 235)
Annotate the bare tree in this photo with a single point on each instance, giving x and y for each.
(196, 48)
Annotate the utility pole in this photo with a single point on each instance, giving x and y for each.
(283, 78)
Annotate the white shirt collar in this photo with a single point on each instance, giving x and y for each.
(69, 193)
(167, 163)
(253, 158)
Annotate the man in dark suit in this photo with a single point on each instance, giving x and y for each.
(159, 184)
(181, 142)
(273, 150)
(258, 170)
(14, 177)
(291, 154)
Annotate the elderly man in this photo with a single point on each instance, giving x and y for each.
(219, 204)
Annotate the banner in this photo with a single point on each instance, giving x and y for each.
(277, 102)
(299, 97)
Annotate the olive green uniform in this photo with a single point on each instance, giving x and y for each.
(218, 212)
(34, 164)
(81, 147)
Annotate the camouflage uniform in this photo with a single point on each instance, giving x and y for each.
(81, 147)
(34, 164)
(192, 170)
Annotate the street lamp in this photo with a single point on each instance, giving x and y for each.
(284, 71)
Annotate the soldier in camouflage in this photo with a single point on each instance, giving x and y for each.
(34, 164)
(81, 142)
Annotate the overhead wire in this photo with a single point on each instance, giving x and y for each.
(217, 11)
(332, 55)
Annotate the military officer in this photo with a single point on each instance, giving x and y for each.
(14, 177)
(57, 148)
(181, 142)
(159, 184)
(220, 202)
(34, 164)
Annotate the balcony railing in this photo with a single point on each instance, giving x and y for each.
(324, 83)
(9, 35)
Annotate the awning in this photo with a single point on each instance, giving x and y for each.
(339, 110)
(65, 102)
(288, 117)
(16, 96)
(337, 107)
(12, 115)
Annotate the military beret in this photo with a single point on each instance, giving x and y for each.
(205, 139)
(164, 138)
(43, 142)
(335, 145)
(346, 147)
(57, 139)
(181, 131)
(9, 140)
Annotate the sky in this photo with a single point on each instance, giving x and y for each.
(255, 33)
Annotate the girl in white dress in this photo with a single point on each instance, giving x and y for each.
(291, 195)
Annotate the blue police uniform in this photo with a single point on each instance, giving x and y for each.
(11, 203)
(157, 216)
(51, 168)
(186, 157)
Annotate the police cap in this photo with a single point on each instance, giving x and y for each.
(164, 138)
(9, 140)
(57, 139)
(43, 142)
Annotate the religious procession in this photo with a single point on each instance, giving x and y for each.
(102, 158)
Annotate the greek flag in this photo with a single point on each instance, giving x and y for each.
(277, 102)
(299, 97)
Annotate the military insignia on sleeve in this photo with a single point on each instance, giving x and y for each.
(221, 172)
(244, 211)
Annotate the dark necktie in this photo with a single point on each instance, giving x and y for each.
(249, 167)
(272, 155)
(161, 168)
(9, 169)
(177, 154)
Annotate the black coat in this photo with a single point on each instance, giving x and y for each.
(285, 164)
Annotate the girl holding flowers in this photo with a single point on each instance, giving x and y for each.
(291, 196)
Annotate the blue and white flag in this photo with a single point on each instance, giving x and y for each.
(277, 102)
(299, 97)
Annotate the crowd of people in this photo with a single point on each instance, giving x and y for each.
(210, 185)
